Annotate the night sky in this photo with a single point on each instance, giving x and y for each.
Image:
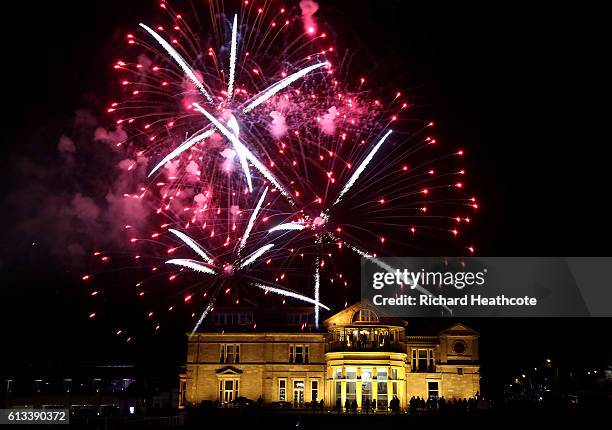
(515, 86)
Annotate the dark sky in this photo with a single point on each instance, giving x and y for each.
(516, 85)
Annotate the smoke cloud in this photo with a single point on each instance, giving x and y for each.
(74, 200)
(327, 121)
(309, 8)
(229, 155)
(278, 127)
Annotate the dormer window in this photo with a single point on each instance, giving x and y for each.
(365, 315)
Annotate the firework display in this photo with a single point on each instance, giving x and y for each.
(268, 165)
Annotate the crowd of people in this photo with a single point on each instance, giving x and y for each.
(439, 405)
(366, 340)
(416, 406)
(369, 406)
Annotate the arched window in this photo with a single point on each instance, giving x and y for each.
(365, 315)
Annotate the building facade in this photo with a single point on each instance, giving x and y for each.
(360, 355)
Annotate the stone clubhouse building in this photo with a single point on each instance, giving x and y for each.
(360, 355)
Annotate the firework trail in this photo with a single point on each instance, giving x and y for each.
(232, 70)
(249, 227)
(208, 309)
(361, 168)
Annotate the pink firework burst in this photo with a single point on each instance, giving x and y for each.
(267, 158)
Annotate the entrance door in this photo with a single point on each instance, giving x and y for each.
(298, 394)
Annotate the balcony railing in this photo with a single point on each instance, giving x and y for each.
(339, 346)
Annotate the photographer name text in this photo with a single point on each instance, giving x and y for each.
(465, 300)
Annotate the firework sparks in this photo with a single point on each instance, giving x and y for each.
(275, 88)
(241, 148)
(287, 293)
(361, 168)
(260, 128)
(287, 227)
(240, 264)
(179, 60)
(247, 232)
(197, 266)
(192, 264)
(317, 284)
(193, 245)
(263, 96)
(182, 148)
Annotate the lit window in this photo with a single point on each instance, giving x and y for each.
(432, 389)
(351, 390)
(228, 390)
(351, 383)
(351, 373)
(383, 399)
(382, 374)
(314, 390)
(282, 389)
(365, 315)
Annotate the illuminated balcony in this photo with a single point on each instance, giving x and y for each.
(364, 338)
(341, 346)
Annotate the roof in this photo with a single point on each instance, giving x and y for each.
(459, 329)
(345, 316)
